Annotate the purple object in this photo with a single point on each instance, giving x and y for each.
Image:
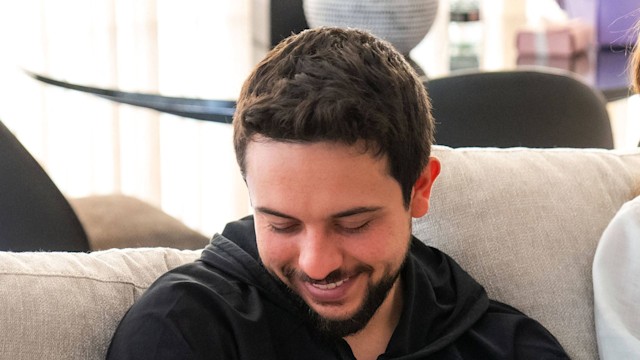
(614, 20)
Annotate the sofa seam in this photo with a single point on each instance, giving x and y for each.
(91, 278)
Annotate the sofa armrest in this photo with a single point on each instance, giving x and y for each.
(119, 221)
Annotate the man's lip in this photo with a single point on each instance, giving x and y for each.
(329, 285)
(327, 293)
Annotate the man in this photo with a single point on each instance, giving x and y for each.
(332, 133)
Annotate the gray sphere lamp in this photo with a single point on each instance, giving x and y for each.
(404, 23)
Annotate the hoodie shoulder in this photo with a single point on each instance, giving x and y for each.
(504, 332)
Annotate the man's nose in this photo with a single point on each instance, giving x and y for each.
(320, 254)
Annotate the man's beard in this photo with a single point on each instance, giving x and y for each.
(332, 328)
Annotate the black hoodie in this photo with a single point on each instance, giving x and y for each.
(227, 306)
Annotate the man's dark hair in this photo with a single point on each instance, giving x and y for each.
(338, 85)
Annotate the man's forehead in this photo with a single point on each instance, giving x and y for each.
(360, 147)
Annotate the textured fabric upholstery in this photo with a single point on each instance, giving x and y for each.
(67, 305)
(120, 221)
(525, 223)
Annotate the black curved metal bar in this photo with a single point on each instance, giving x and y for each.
(220, 111)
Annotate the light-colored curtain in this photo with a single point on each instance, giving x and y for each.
(192, 48)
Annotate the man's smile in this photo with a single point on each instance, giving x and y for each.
(329, 285)
(326, 293)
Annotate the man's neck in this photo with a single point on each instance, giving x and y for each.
(372, 341)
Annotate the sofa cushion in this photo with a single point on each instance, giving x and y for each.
(525, 223)
(120, 221)
(67, 305)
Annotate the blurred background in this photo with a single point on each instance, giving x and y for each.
(190, 48)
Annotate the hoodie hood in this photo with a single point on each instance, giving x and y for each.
(235, 253)
(441, 301)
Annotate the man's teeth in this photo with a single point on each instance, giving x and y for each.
(330, 286)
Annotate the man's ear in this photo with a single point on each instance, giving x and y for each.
(422, 188)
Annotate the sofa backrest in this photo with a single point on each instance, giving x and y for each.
(524, 223)
(67, 305)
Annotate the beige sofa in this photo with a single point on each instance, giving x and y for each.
(524, 222)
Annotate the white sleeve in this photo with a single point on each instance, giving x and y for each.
(616, 285)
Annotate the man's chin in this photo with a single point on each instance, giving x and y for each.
(337, 327)
(338, 310)
(337, 323)
(334, 318)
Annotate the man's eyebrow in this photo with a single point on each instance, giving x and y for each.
(356, 211)
(266, 210)
(342, 214)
